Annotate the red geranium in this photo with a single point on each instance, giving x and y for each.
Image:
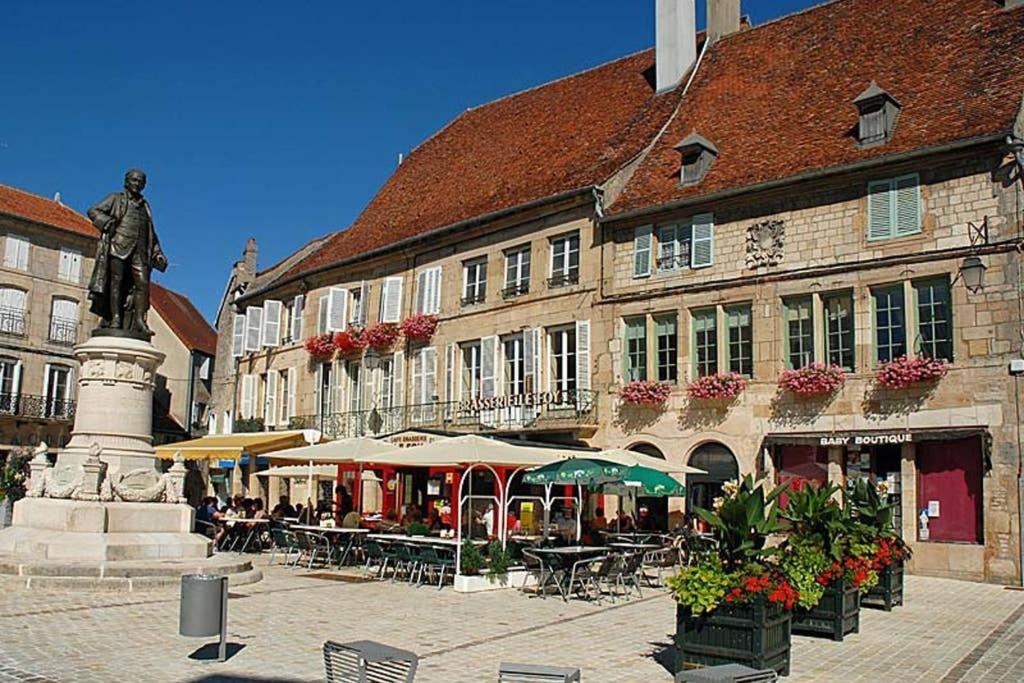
(320, 347)
(382, 336)
(816, 379)
(419, 327)
(903, 372)
(350, 342)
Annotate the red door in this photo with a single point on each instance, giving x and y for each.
(949, 473)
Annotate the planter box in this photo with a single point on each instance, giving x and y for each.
(514, 578)
(755, 634)
(837, 614)
(889, 591)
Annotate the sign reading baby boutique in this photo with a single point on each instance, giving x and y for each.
(890, 439)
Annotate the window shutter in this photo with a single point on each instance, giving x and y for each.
(429, 374)
(297, 307)
(908, 205)
(417, 378)
(248, 391)
(398, 373)
(364, 304)
(391, 300)
(642, 251)
(318, 383)
(238, 336)
(64, 265)
(23, 254)
(451, 387)
(337, 309)
(292, 391)
(270, 408)
(321, 314)
(253, 328)
(421, 291)
(488, 367)
(702, 245)
(76, 266)
(583, 357)
(338, 377)
(880, 210)
(271, 323)
(434, 302)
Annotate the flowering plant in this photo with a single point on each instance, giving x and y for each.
(644, 393)
(382, 336)
(856, 570)
(321, 346)
(816, 379)
(350, 341)
(706, 584)
(13, 473)
(903, 372)
(724, 385)
(419, 327)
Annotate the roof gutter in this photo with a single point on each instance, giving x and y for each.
(437, 232)
(809, 175)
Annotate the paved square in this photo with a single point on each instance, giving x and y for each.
(949, 631)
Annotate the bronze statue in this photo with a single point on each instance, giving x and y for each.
(127, 253)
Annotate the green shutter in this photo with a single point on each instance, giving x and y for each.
(702, 247)
(907, 205)
(880, 222)
(642, 251)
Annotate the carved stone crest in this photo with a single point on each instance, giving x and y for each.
(765, 243)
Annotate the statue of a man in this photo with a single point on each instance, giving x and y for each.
(127, 252)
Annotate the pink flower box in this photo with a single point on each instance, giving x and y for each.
(904, 372)
(816, 379)
(723, 386)
(320, 347)
(382, 336)
(644, 393)
(419, 327)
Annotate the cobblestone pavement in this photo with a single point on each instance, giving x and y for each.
(949, 631)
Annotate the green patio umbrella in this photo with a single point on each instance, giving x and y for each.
(575, 471)
(644, 482)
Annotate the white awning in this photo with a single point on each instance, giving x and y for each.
(621, 456)
(472, 449)
(349, 451)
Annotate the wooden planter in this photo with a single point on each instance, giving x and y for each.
(889, 591)
(755, 634)
(837, 614)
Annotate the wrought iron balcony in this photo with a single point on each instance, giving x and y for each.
(28, 406)
(547, 411)
(517, 289)
(563, 279)
(64, 331)
(12, 321)
(474, 298)
(674, 262)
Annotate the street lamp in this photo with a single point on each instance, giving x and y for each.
(972, 270)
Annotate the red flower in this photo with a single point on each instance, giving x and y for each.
(419, 327)
(382, 336)
(721, 386)
(350, 341)
(320, 347)
(816, 379)
(645, 393)
(902, 372)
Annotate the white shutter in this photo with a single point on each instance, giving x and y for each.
(75, 272)
(338, 376)
(64, 265)
(435, 291)
(23, 254)
(65, 309)
(253, 328)
(880, 208)
(321, 315)
(270, 407)
(449, 378)
(248, 396)
(421, 292)
(642, 251)
(391, 300)
(907, 205)
(238, 336)
(364, 304)
(488, 367)
(297, 306)
(583, 370)
(398, 372)
(337, 309)
(417, 378)
(271, 323)
(292, 390)
(429, 374)
(318, 383)
(702, 245)
(16, 252)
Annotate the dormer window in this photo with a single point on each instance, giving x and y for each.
(698, 154)
(878, 113)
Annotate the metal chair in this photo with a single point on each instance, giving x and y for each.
(623, 574)
(658, 561)
(583, 575)
(374, 552)
(283, 542)
(361, 661)
(536, 673)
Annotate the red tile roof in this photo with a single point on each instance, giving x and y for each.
(777, 100)
(32, 207)
(565, 135)
(184, 320)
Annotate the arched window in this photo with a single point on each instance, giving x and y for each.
(12, 311)
(64, 321)
(719, 465)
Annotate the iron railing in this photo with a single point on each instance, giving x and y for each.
(12, 321)
(540, 412)
(64, 331)
(565, 278)
(515, 290)
(37, 407)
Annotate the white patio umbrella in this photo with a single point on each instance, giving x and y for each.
(621, 456)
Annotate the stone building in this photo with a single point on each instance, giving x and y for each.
(48, 252)
(830, 187)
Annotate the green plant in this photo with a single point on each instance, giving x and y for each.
(803, 564)
(472, 559)
(252, 424)
(742, 521)
(500, 560)
(704, 586)
(701, 586)
(867, 507)
(417, 529)
(815, 516)
(13, 474)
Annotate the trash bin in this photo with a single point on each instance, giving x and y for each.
(204, 609)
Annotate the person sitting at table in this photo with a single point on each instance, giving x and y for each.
(257, 509)
(283, 508)
(623, 521)
(433, 520)
(646, 521)
(344, 500)
(352, 520)
(298, 512)
(413, 515)
(598, 521)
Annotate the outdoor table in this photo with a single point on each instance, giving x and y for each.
(635, 546)
(253, 525)
(564, 557)
(423, 540)
(329, 531)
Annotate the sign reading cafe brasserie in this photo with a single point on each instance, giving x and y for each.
(866, 439)
(544, 398)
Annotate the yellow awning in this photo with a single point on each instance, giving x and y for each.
(232, 446)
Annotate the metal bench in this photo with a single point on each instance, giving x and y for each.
(364, 660)
(727, 673)
(536, 673)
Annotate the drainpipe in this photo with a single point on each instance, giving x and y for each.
(190, 393)
(1016, 147)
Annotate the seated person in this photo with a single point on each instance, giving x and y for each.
(433, 520)
(283, 508)
(598, 521)
(623, 522)
(390, 522)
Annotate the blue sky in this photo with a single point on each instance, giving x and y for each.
(270, 119)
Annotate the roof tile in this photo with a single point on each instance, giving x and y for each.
(32, 207)
(184, 320)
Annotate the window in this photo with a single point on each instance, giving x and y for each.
(740, 345)
(355, 386)
(517, 272)
(324, 389)
(674, 247)
(356, 308)
(387, 382)
(10, 380)
(69, 267)
(428, 291)
(667, 339)
(515, 365)
(471, 371)
(705, 342)
(391, 300)
(636, 349)
(57, 391)
(284, 380)
(562, 342)
(64, 321)
(565, 260)
(285, 322)
(839, 330)
(934, 319)
(890, 323)
(894, 207)
(16, 253)
(12, 311)
(878, 113)
(799, 332)
(474, 279)
(698, 153)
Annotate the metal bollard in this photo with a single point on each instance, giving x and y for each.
(204, 609)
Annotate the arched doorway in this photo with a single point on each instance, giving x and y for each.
(719, 465)
(657, 507)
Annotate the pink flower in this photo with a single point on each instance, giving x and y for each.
(419, 327)
(816, 379)
(642, 392)
(721, 386)
(382, 336)
(903, 372)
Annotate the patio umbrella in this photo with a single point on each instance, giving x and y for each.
(629, 458)
(575, 471)
(644, 482)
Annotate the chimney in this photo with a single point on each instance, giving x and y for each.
(675, 46)
(723, 18)
(249, 256)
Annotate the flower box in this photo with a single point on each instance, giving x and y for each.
(755, 633)
(320, 347)
(724, 386)
(816, 379)
(904, 372)
(889, 591)
(419, 327)
(644, 393)
(350, 342)
(837, 614)
(476, 583)
(382, 336)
